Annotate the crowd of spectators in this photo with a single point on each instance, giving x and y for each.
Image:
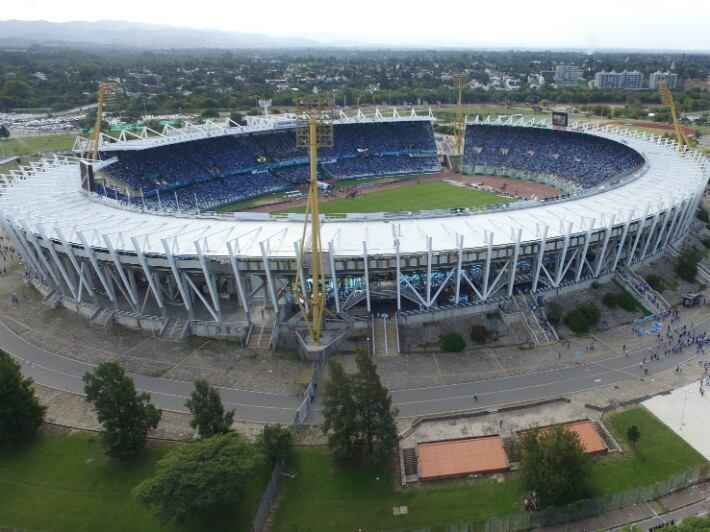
(584, 160)
(215, 171)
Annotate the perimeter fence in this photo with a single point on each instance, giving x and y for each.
(574, 512)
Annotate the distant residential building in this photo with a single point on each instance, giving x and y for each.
(628, 80)
(670, 78)
(567, 75)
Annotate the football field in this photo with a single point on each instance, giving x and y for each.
(415, 197)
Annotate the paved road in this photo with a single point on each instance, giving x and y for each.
(62, 373)
(59, 372)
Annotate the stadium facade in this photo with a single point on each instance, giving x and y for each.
(118, 259)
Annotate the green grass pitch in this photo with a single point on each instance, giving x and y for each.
(423, 196)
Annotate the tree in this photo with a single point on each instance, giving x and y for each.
(554, 465)
(126, 415)
(339, 412)
(4, 132)
(20, 412)
(208, 415)
(479, 333)
(199, 479)
(633, 434)
(452, 342)
(358, 415)
(276, 442)
(375, 421)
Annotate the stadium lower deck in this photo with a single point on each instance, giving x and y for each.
(213, 272)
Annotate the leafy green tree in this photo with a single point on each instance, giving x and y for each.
(554, 465)
(452, 342)
(633, 434)
(208, 415)
(376, 417)
(126, 415)
(276, 442)
(20, 411)
(339, 413)
(199, 479)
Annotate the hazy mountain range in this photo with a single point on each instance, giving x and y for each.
(135, 35)
(111, 33)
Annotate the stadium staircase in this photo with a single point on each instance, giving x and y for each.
(533, 318)
(175, 329)
(385, 338)
(103, 317)
(410, 461)
(260, 337)
(641, 290)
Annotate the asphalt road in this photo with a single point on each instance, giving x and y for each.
(62, 373)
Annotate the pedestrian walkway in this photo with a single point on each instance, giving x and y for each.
(690, 501)
(686, 411)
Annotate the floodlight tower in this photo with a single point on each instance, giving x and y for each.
(459, 81)
(314, 129)
(107, 93)
(265, 104)
(667, 100)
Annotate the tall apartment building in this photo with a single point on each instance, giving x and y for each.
(618, 80)
(670, 78)
(567, 75)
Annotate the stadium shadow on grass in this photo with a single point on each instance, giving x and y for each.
(422, 196)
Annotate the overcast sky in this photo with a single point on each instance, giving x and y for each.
(586, 24)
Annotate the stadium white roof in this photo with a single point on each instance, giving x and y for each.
(51, 200)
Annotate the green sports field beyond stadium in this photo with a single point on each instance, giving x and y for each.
(421, 196)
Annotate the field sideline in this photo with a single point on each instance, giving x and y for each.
(421, 196)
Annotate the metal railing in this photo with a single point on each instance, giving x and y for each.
(574, 512)
(304, 408)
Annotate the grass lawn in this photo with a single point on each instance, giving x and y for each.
(658, 455)
(36, 144)
(321, 497)
(434, 195)
(64, 482)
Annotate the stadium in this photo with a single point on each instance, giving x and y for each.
(133, 236)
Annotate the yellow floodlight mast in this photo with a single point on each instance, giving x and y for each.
(106, 93)
(667, 100)
(459, 126)
(314, 129)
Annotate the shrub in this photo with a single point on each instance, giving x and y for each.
(554, 313)
(687, 266)
(627, 301)
(655, 282)
(703, 216)
(706, 242)
(610, 300)
(479, 334)
(591, 313)
(452, 343)
(595, 285)
(583, 318)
